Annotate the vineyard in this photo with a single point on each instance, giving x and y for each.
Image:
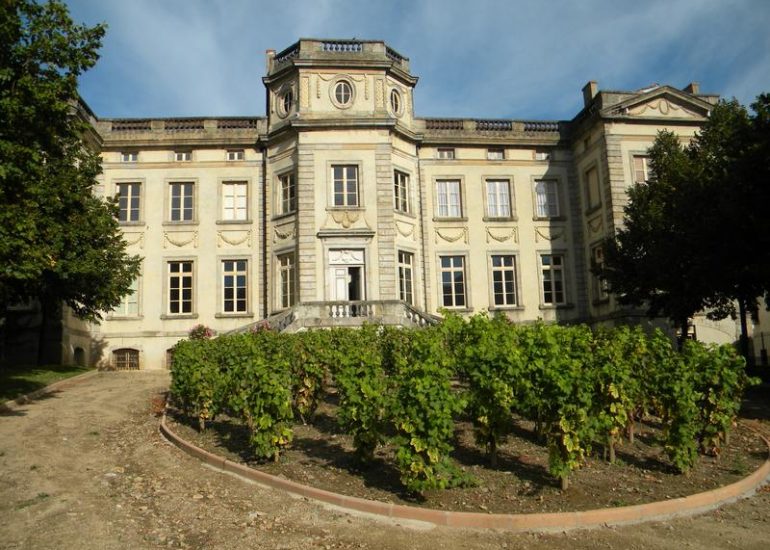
(585, 391)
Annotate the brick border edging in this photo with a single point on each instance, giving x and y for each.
(544, 522)
(13, 404)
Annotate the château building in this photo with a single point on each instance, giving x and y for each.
(342, 205)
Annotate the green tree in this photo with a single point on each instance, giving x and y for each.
(695, 237)
(59, 242)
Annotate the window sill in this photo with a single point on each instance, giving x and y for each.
(180, 223)
(506, 308)
(125, 317)
(283, 215)
(556, 306)
(132, 224)
(549, 218)
(457, 309)
(489, 219)
(404, 213)
(234, 222)
(171, 316)
(449, 219)
(240, 315)
(358, 208)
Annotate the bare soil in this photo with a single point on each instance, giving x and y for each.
(322, 456)
(86, 468)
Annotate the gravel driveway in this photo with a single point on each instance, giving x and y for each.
(86, 468)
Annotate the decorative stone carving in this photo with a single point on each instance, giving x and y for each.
(304, 92)
(502, 234)
(283, 232)
(445, 235)
(545, 233)
(661, 107)
(346, 257)
(380, 93)
(405, 229)
(318, 88)
(595, 225)
(180, 239)
(134, 239)
(345, 218)
(234, 238)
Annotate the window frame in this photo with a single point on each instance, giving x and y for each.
(446, 153)
(508, 184)
(286, 201)
(405, 276)
(129, 156)
(183, 156)
(396, 102)
(496, 153)
(593, 194)
(234, 272)
(132, 359)
(599, 286)
(286, 279)
(465, 281)
(167, 288)
(170, 201)
(646, 168)
(223, 184)
(234, 155)
(547, 215)
(562, 269)
(402, 191)
(336, 84)
(120, 312)
(514, 270)
(438, 194)
(139, 196)
(345, 205)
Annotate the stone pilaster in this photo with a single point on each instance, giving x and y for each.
(386, 227)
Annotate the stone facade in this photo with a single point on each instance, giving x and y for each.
(341, 201)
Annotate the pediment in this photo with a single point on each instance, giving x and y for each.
(662, 103)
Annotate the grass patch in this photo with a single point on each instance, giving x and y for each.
(16, 381)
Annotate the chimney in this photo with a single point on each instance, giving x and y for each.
(589, 92)
(270, 55)
(692, 88)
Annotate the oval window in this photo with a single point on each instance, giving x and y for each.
(286, 102)
(395, 102)
(343, 92)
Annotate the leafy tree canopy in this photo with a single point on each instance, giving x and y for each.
(58, 240)
(696, 235)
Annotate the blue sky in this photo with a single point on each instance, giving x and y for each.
(476, 58)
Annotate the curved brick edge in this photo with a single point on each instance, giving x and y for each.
(14, 404)
(561, 521)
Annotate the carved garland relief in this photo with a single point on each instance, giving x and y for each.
(547, 234)
(450, 237)
(180, 239)
(510, 234)
(234, 238)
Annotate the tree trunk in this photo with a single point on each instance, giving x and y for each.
(611, 445)
(492, 452)
(41, 335)
(564, 483)
(744, 340)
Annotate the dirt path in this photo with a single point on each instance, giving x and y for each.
(87, 469)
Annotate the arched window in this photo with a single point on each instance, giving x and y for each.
(125, 359)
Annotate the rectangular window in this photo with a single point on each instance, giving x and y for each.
(235, 203)
(180, 288)
(448, 199)
(405, 280)
(504, 280)
(181, 203)
(592, 187)
(496, 153)
(401, 191)
(126, 359)
(235, 278)
(128, 201)
(546, 199)
(552, 269)
(600, 287)
(542, 155)
(345, 178)
(129, 157)
(183, 156)
(642, 171)
(129, 304)
(235, 154)
(498, 199)
(453, 281)
(287, 277)
(445, 153)
(288, 189)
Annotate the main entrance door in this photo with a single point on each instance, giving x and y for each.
(346, 275)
